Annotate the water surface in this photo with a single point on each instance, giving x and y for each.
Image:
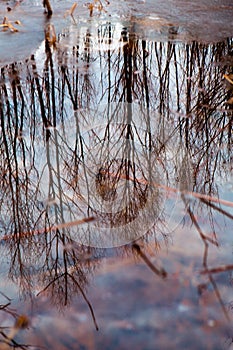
(116, 187)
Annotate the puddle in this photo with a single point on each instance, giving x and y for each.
(116, 178)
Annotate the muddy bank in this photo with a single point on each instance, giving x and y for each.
(206, 21)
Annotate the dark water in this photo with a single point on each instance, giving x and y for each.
(116, 180)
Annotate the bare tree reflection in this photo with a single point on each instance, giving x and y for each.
(112, 134)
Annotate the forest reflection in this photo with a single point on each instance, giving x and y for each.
(99, 137)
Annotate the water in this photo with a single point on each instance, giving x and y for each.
(116, 187)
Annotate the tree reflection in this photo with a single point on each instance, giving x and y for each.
(109, 134)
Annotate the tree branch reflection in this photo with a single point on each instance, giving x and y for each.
(113, 134)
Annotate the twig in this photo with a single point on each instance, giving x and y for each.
(217, 269)
(175, 190)
(80, 289)
(48, 6)
(86, 300)
(218, 295)
(205, 256)
(222, 211)
(70, 12)
(160, 272)
(47, 229)
(202, 235)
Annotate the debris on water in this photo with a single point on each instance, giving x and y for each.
(48, 7)
(6, 24)
(50, 35)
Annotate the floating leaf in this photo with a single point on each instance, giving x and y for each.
(6, 24)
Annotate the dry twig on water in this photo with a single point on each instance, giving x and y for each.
(6, 24)
(160, 272)
(218, 269)
(48, 7)
(47, 229)
(70, 12)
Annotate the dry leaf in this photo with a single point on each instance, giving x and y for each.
(228, 81)
(6, 24)
(230, 101)
(91, 7)
(50, 35)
